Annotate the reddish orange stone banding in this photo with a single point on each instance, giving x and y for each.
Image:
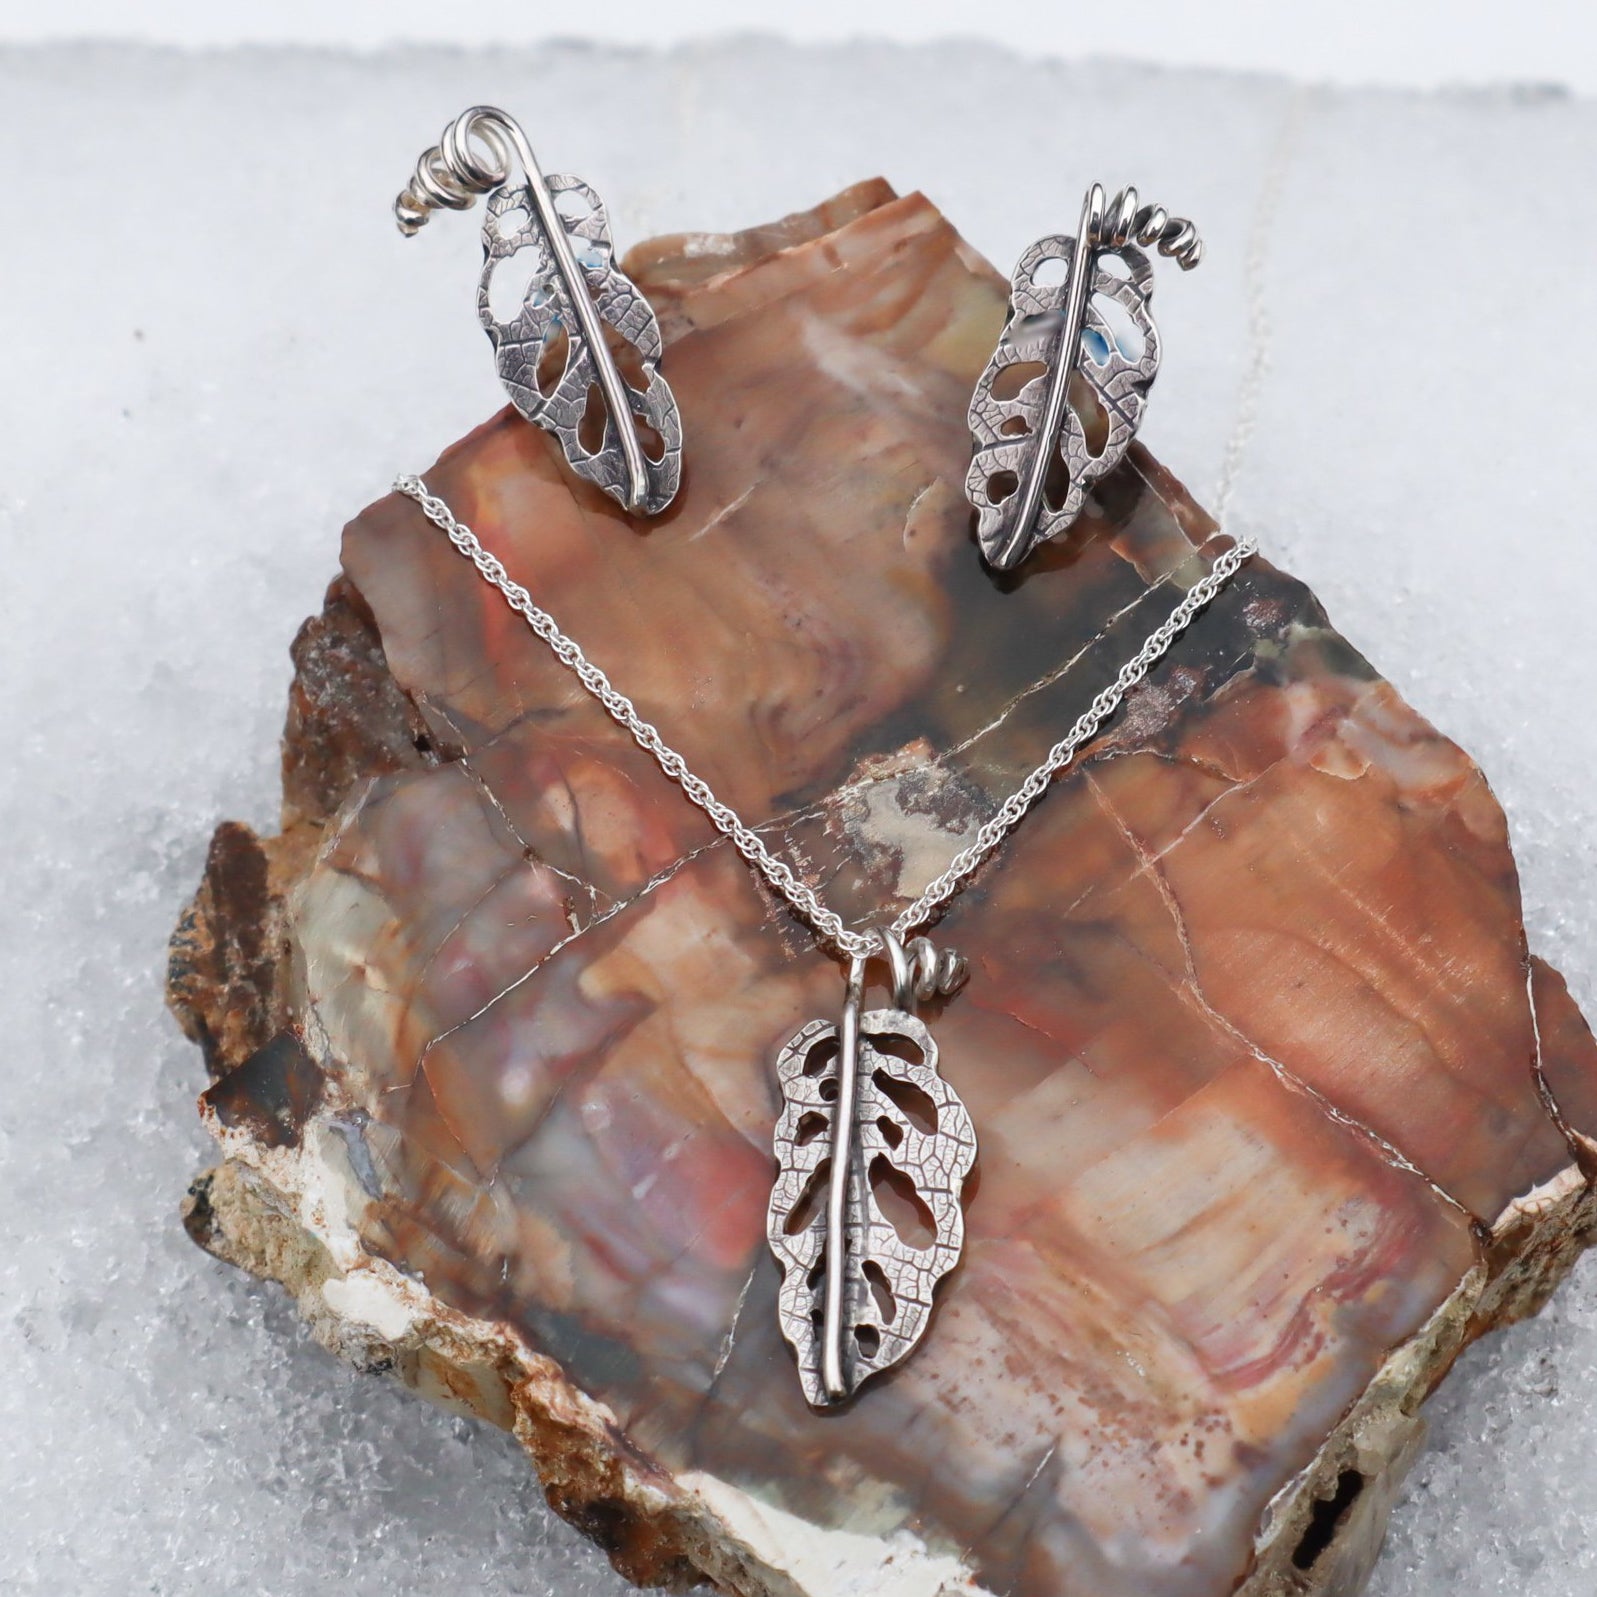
(1250, 1042)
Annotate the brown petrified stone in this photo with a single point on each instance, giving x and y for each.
(1276, 1110)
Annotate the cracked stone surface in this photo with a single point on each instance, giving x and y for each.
(1276, 1110)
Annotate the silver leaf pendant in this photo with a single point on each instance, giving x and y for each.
(873, 1148)
(1078, 307)
(553, 354)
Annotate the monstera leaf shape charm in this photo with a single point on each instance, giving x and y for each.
(1026, 480)
(548, 364)
(577, 345)
(911, 1147)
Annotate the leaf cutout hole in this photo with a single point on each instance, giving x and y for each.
(552, 362)
(810, 1126)
(892, 1132)
(1056, 485)
(628, 359)
(1050, 272)
(868, 1339)
(508, 223)
(828, 1089)
(1015, 427)
(1094, 419)
(876, 1280)
(1001, 485)
(1116, 265)
(915, 1105)
(803, 1213)
(1123, 332)
(510, 282)
(821, 1056)
(590, 430)
(572, 204)
(902, 1206)
(649, 440)
(897, 1046)
(1009, 382)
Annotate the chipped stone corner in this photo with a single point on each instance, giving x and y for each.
(1323, 1531)
(288, 1215)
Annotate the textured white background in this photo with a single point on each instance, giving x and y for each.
(1409, 43)
(214, 348)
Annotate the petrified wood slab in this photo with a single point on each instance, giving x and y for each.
(1276, 1111)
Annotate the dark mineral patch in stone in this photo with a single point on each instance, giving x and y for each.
(347, 719)
(271, 1095)
(222, 965)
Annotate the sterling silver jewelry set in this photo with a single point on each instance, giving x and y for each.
(1055, 409)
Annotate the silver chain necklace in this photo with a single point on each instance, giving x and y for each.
(856, 1296)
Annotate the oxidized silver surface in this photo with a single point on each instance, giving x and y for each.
(1035, 454)
(908, 1131)
(558, 400)
(555, 352)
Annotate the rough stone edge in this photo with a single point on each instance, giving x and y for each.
(283, 1215)
(1336, 1510)
(347, 721)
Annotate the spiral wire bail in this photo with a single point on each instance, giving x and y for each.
(1123, 221)
(919, 971)
(473, 156)
(451, 174)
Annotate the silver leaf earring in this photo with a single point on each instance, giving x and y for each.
(863, 1104)
(561, 341)
(1076, 305)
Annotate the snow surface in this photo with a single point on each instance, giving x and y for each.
(214, 348)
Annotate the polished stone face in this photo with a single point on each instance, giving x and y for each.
(1252, 1043)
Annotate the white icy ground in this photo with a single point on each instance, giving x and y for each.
(214, 348)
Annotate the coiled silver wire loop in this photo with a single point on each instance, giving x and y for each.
(918, 971)
(1123, 221)
(454, 172)
(584, 301)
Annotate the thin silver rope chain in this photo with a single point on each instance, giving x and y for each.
(827, 924)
